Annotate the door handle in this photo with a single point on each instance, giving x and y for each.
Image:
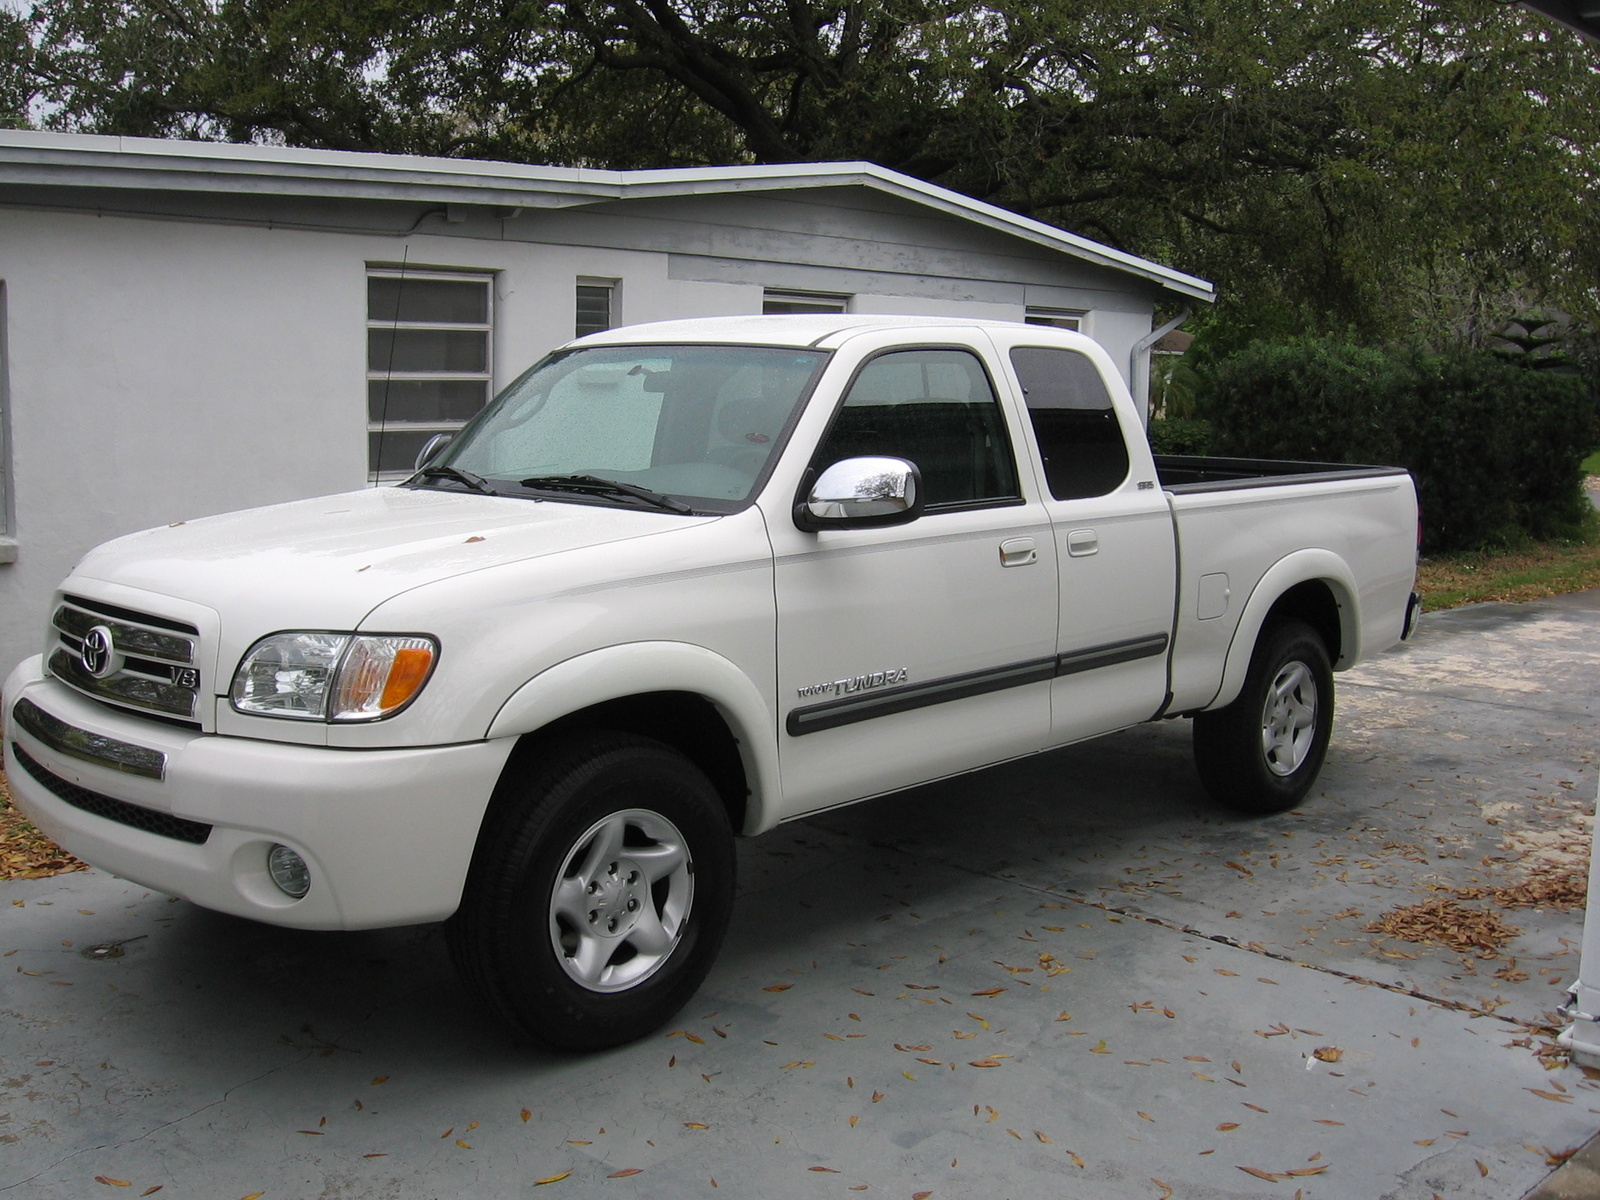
(1081, 542)
(1018, 552)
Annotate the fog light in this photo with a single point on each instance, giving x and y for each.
(289, 872)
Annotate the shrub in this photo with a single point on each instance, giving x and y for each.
(1180, 435)
(1495, 448)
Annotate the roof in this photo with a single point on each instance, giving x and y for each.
(790, 330)
(1581, 15)
(152, 164)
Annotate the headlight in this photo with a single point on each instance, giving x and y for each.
(312, 676)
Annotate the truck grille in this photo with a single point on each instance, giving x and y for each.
(134, 660)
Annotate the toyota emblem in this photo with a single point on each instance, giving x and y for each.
(98, 655)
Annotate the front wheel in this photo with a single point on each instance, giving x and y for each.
(598, 896)
(1263, 752)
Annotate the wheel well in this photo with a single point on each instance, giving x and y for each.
(1314, 603)
(690, 724)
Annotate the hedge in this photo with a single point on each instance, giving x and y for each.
(1495, 448)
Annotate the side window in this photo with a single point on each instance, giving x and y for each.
(1073, 421)
(937, 409)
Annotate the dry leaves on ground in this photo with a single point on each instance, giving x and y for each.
(1443, 921)
(25, 853)
(1562, 892)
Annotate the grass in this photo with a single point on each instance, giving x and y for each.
(1530, 573)
(1591, 465)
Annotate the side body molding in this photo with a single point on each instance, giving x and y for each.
(636, 668)
(1302, 566)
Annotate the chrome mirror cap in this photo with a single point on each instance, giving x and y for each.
(431, 448)
(860, 493)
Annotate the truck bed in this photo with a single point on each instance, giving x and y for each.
(1187, 474)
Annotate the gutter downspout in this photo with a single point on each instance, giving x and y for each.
(1139, 363)
(1581, 1039)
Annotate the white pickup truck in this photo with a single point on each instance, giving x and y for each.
(678, 582)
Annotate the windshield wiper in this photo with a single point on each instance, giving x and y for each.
(593, 485)
(476, 482)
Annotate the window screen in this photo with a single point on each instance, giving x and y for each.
(428, 360)
(803, 302)
(934, 408)
(1056, 318)
(593, 313)
(1073, 421)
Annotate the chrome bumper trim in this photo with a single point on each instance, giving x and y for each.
(90, 747)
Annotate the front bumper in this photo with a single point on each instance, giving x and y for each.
(388, 834)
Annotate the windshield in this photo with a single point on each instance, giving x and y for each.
(696, 422)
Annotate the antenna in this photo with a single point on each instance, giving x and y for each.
(388, 368)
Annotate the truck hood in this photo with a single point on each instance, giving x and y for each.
(326, 563)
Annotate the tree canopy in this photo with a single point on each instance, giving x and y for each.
(1396, 168)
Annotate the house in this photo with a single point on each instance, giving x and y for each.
(191, 327)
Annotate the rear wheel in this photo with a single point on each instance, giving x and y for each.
(599, 896)
(1263, 752)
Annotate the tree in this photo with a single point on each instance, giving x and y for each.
(1387, 166)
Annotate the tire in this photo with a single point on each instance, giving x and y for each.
(598, 895)
(1262, 753)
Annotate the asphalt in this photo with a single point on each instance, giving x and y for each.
(1071, 978)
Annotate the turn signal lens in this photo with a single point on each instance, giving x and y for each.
(380, 675)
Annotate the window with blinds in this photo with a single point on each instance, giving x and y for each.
(429, 360)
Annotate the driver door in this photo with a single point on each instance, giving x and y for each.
(919, 650)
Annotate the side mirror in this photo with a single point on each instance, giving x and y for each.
(862, 493)
(431, 448)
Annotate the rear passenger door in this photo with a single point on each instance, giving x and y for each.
(915, 651)
(1114, 539)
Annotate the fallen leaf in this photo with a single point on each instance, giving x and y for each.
(1227, 1125)
(1166, 1190)
(853, 1121)
(1257, 1107)
(1147, 1116)
(1299, 1172)
(1549, 1096)
(1326, 1121)
(551, 1179)
(1075, 1158)
(1260, 1174)
(462, 1144)
(909, 1076)
(920, 1195)
(378, 1154)
(828, 1170)
(113, 1182)
(983, 1062)
(625, 1172)
(381, 1079)
(1327, 1054)
(1041, 1137)
(695, 1125)
(151, 1191)
(526, 1116)
(1482, 1169)
(876, 1096)
(1223, 971)
(698, 1041)
(1065, 1016)
(994, 991)
(778, 987)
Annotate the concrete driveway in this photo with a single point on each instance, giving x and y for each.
(1066, 978)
